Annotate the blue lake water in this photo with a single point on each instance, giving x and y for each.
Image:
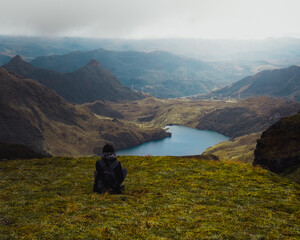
(184, 141)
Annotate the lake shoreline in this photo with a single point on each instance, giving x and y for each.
(184, 141)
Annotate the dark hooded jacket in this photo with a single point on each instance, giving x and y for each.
(109, 157)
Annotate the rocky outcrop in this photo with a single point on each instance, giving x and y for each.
(18, 151)
(279, 147)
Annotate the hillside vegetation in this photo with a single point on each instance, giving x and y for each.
(231, 118)
(165, 198)
(240, 149)
(38, 118)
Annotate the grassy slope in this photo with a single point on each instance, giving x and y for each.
(165, 198)
(241, 149)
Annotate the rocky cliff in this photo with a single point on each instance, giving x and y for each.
(278, 149)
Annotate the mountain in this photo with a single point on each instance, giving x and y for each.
(159, 73)
(38, 118)
(278, 148)
(89, 83)
(276, 83)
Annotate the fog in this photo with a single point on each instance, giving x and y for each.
(140, 19)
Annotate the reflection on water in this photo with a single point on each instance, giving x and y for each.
(184, 141)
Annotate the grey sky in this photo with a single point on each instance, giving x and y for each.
(152, 18)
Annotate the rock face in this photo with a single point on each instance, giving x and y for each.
(279, 146)
(18, 151)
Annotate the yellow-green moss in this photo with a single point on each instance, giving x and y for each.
(165, 198)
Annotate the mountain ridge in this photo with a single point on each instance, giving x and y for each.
(89, 83)
(283, 82)
(158, 73)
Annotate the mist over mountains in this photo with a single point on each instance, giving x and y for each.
(158, 73)
(162, 67)
(281, 51)
(276, 83)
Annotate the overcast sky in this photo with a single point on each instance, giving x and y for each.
(240, 19)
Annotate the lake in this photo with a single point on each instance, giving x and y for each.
(184, 141)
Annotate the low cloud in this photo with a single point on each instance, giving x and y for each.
(151, 19)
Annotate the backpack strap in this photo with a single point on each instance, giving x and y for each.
(113, 165)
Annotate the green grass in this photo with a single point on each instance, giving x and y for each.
(165, 198)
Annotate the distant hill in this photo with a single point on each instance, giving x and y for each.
(89, 83)
(276, 83)
(159, 73)
(247, 116)
(33, 115)
(278, 149)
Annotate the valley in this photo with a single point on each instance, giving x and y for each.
(61, 128)
(90, 104)
(231, 118)
(150, 120)
(242, 120)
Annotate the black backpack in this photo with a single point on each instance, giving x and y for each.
(109, 181)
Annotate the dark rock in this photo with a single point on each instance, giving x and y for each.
(18, 151)
(279, 147)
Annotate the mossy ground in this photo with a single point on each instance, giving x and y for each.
(165, 198)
